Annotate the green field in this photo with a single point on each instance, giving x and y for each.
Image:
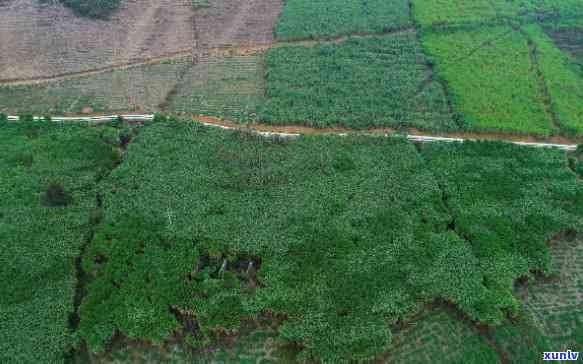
(201, 237)
(359, 83)
(476, 13)
(505, 95)
(305, 19)
(41, 232)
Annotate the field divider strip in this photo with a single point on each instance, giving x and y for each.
(293, 132)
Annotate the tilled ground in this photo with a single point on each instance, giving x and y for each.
(40, 40)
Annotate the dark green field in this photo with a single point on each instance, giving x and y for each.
(207, 244)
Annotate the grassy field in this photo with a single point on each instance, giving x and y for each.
(476, 13)
(562, 80)
(42, 229)
(505, 95)
(359, 83)
(304, 19)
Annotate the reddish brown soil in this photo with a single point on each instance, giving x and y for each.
(40, 41)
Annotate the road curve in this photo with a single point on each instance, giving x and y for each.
(414, 138)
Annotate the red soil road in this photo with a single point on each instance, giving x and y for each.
(40, 41)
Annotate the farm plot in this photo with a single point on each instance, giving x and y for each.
(507, 201)
(227, 22)
(557, 304)
(341, 235)
(303, 19)
(47, 189)
(475, 13)
(139, 88)
(227, 86)
(439, 336)
(491, 76)
(39, 40)
(562, 80)
(358, 83)
(454, 12)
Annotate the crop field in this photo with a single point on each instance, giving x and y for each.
(358, 83)
(207, 245)
(305, 19)
(562, 80)
(139, 88)
(236, 214)
(474, 13)
(557, 304)
(487, 187)
(227, 86)
(505, 95)
(47, 189)
(438, 336)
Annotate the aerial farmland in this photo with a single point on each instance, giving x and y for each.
(298, 181)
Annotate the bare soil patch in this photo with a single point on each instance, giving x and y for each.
(237, 22)
(43, 40)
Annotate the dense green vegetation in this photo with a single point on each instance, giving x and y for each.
(48, 176)
(302, 19)
(359, 83)
(92, 8)
(474, 13)
(508, 202)
(350, 233)
(336, 240)
(562, 80)
(338, 235)
(505, 94)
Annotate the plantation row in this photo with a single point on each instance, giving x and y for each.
(339, 236)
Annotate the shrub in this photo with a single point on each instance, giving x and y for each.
(93, 8)
(25, 117)
(56, 196)
(3, 117)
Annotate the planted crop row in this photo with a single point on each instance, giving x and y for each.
(359, 83)
(302, 19)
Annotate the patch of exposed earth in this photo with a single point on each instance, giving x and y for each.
(39, 40)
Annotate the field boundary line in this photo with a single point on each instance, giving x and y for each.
(291, 133)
